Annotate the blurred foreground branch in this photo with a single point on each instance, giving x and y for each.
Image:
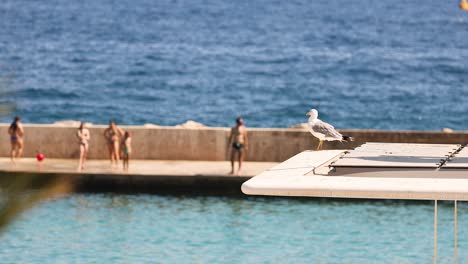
(7, 107)
(19, 192)
(7, 91)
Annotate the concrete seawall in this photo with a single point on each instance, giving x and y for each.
(147, 176)
(210, 144)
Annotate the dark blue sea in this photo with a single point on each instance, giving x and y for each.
(363, 64)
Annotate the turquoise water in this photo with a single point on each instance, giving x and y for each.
(89, 228)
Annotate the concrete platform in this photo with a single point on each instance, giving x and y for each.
(369, 172)
(143, 175)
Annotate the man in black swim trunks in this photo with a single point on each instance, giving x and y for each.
(238, 144)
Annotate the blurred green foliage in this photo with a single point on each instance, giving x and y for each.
(7, 91)
(21, 191)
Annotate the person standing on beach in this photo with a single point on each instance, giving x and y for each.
(126, 150)
(238, 144)
(83, 139)
(113, 134)
(16, 133)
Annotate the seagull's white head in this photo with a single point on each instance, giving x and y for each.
(312, 113)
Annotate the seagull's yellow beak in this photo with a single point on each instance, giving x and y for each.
(308, 113)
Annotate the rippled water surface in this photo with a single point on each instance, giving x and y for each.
(200, 229)
(363, 64)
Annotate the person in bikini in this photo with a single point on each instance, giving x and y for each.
(113, 134)
(83, 136)
(238, 144)
(16, 133)
(126, 150)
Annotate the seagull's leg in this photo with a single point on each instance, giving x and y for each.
(319, 145)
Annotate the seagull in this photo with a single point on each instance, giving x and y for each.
(323, 131)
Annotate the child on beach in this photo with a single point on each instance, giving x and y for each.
(126, 149)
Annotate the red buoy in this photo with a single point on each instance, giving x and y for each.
(40, 157)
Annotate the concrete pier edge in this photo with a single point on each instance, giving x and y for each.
(192, 144)
(207, 143)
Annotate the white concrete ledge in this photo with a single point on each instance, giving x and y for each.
(296, 177)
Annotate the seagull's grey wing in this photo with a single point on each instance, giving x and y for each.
(326, 129)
